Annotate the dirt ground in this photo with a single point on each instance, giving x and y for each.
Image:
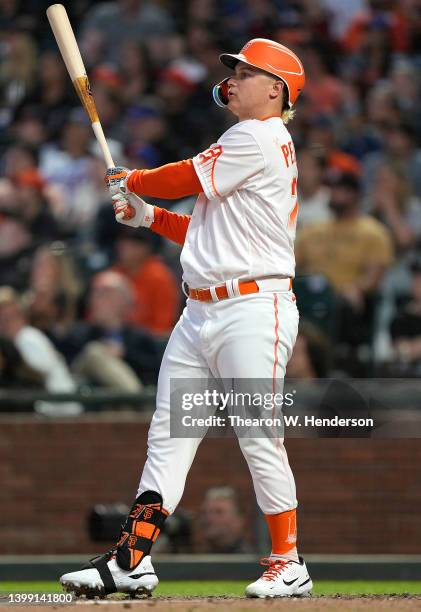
(213, 604)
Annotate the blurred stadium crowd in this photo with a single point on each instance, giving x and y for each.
(85, 301)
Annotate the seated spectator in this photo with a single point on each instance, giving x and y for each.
(34, 207)
(406, 326)
(69, 168)
(381, 27)
(358, 137)
(19, 158)
(134, 70)
(368, 42)
(222, 522)
(109, 107)
(381, 107)
(38, 353)
(107, 350)
(325, 91)
(52, 93)
(18, 64)
(139, 20)
(393, 203)
(146, 125)
(340, 14)
(28, 126)
(353, 251)
(156, 303)
(404, 78)
(176, 87)
(313, 196)
(311, 355)
(54, 290)
(322, 137)
(401, 151)
(15, 239)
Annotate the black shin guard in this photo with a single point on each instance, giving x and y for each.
(140, 530)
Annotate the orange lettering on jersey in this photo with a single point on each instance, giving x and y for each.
(211, 153)
(292, 219)
(207, 159)
(285, 151)
(292, 151)
(289, 153)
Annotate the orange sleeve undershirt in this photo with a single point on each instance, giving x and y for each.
(171, 181)
(170, 225)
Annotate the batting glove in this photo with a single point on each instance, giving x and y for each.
(132, 210)
(115, 179)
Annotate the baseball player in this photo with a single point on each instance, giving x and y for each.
(238, 264)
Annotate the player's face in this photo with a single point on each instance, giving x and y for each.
(252, 92)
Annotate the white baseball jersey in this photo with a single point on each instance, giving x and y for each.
(243, 225)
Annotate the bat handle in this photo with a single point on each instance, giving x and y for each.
(97, 128)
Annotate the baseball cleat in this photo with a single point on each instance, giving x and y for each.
(127, 568)
(103, 576)
(281, 579)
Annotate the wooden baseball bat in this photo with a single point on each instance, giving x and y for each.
(63, 33)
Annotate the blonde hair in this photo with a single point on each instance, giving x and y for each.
(287, 113)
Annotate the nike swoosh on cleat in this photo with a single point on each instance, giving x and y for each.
(290, 582)
(134, 576)
(303, 583)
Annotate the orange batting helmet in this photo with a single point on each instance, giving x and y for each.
(270, 56)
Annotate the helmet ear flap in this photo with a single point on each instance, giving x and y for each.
(220, 93)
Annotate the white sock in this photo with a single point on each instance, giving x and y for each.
(291, 555)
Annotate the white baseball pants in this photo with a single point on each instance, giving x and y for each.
(245, 337)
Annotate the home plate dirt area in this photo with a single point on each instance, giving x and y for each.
(396, 603)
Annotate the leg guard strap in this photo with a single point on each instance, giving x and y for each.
(100, 563)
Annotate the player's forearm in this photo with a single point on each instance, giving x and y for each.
(171, 181)
(170, 225)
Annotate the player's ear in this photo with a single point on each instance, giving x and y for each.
(276, 89)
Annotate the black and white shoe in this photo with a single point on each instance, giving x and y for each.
(103, 576)
(281, 579)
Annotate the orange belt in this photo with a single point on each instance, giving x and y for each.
(244, 287)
